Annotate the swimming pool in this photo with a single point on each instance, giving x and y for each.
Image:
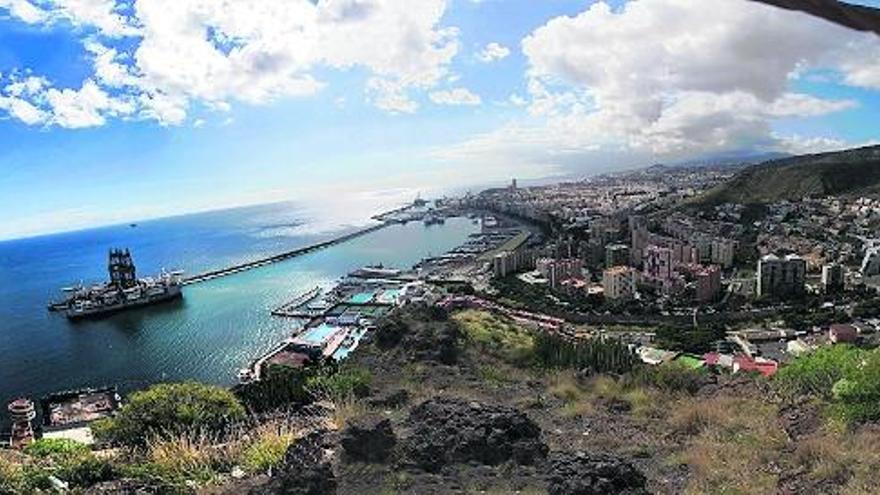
(318, 334)
(362, 297)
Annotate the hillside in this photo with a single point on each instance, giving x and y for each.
(855, 171)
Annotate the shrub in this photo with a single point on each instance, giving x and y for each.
(816, 373)
(12, 480)
(267, 450)
(497, 337)
(55, 447)
(857, 395)
(279, 386)
(338, 383)
(668, 377)
(171, 409)
(694, 340)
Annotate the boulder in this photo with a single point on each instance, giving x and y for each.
(368, 439)
(585, 474)
(306, 469)
(448, 431)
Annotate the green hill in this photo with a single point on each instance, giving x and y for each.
(855, 171)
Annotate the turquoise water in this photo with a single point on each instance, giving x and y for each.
(362, 297)
(318, 334)
(220, 325)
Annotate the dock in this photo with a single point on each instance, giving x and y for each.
(250, 265)
(298, 307)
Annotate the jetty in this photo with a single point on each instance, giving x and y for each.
(250, 265)
(299, 306)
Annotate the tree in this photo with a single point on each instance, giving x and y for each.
(169, 409)
(278, 387)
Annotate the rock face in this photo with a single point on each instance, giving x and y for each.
(449, 431)
(368, 439)
(422, 333)
(584, 474)
(306, 470)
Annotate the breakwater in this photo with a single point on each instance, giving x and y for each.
(250, 265)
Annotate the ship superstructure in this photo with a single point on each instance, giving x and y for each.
(123, 291)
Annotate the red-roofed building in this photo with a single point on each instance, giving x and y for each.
(745, 363)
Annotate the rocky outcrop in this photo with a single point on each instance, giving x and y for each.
(449, 431)
(392, 400)
(584, 474)
(368, 439)
(306, 469)
(421, 333)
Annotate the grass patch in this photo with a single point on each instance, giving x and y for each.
(267, 449)
(497, 336)
(732, 444)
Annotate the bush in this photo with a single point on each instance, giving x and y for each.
(668, 377)
(497, 337)
(268, 448)
(816, 373)
(12, 480)
(55, 447)
(171, 409)
(694, 340)
(279, 386)
(339, 383)
(857, 395)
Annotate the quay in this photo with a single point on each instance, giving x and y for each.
(250, 265)
(298, 307)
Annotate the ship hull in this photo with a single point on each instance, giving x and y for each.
(171, 294)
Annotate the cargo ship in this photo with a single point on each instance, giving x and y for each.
(123, 291)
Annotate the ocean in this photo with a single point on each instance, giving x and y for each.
(218, 327)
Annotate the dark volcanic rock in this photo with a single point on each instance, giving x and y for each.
(368, 439)
(583, 474)
(422, 333)
(449, 431)
(306, 470)
(395, 399)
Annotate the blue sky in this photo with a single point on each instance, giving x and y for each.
(118, 110)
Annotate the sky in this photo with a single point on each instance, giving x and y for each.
(118, 110)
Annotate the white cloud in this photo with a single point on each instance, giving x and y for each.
(101, 15)
(492, 52)
(686, 76)
(24, 10)
(86, 107)
(455, 96)
(670, 79)
(213, 53)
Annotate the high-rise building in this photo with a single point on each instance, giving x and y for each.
(616, 255)
(557, 270)
(509, 262)
(658, 263)
(781, 276)
(619, 282)
(832, 277)
(708, 281)
(722, 252)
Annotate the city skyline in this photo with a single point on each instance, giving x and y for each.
(114, 111)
